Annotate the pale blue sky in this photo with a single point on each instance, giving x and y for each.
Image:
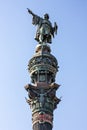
(17, 45)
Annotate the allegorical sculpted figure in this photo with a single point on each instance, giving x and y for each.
(45, 31)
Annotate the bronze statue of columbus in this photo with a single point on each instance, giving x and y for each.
(45, 31)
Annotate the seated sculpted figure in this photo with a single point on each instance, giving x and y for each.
(45, 31)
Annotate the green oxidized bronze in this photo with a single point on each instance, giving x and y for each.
(43, 67)
(45, 31)
(43, 64)
(42, 98)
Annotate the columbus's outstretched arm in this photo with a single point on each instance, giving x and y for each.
(30, 12)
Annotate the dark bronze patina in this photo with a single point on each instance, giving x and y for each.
(43, 67)
(45, 31)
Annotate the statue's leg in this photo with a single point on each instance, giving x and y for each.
(37, 36)
(41, 38)
(48, 38)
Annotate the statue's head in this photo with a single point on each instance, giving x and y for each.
(46, 16)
